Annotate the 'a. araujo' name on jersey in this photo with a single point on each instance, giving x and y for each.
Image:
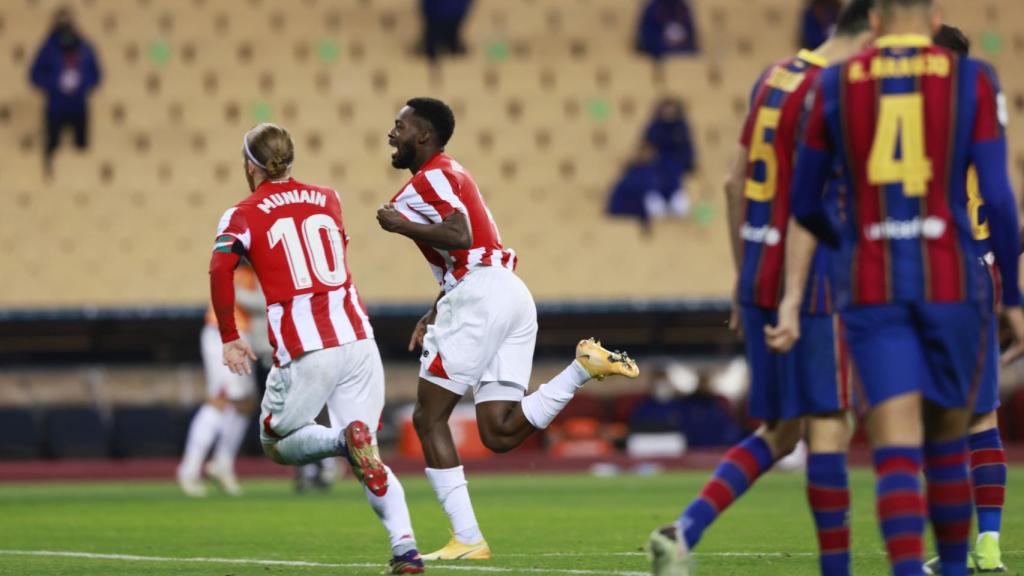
(292, 197)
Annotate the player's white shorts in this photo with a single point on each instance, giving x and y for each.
(483, 337)
(349, 379)
(220, 382)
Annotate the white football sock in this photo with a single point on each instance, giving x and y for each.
(394, 514)
(309, 444)
(451, 488)
(541, 407)
(201, 434)
(992, 534)
(232, 432)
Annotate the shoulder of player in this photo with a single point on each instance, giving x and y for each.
(971, 64)
(445, 175)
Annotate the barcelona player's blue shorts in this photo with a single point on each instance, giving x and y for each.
(813, 378)
(988, 389)
(935, 349)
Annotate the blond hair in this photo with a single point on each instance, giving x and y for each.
(270, 147)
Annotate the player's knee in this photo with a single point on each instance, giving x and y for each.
(424, 422)
(270, 449)
(496, 443)
(783, 436)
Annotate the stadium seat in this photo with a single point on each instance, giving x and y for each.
(144, 433)
(20, 433)
(551, 101)
(76, 433)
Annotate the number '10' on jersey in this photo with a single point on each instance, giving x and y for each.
(293, 235)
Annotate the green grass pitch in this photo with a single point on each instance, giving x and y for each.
(536, 524)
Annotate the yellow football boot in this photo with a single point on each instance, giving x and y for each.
(455, 550)
(601, 363)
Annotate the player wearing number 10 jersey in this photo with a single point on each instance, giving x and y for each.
(906, 119)
(324, 352)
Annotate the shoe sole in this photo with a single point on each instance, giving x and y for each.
(611, 363)
(467, 555)
(407, 569)
(365, 462)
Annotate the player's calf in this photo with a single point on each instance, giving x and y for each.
(307, 444)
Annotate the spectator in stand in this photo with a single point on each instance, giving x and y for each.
(820, 16)
(66, 69)
(703, 417)
(708, 419)
(667, 27)
(669, 133)
(662, 411)
(442, 25)
(639, 180)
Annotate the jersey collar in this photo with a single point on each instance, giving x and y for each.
(812, 58)
(268, 183)
(903, 41)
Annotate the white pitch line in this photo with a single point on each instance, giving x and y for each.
(304, 564)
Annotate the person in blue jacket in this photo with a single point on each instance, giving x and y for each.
(67, 70)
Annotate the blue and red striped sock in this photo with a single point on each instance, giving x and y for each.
(829, 495)
(737, 471)
(988, 476)
(901, 507)
(949, 502)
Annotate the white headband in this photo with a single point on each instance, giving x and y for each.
(248, 153)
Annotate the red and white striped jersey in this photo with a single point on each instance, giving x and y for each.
(440, 188)
(294, 237)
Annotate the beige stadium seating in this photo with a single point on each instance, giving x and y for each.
(130, 222)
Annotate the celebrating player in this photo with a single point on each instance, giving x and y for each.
(324, 352)
(230, 400)
(906, 119)
(811, 380)
(480, 333)
(987, 458)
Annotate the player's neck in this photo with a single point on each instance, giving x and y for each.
(423, 157)
(906, 23)
(838, 48)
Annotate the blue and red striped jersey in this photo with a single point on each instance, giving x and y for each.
(906, 119)
(770, 136)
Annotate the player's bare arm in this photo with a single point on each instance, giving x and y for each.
(421, 326)
(734, 201)
(800, 247)
(453, 233)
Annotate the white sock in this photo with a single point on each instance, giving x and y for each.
(541, 407)
(394, 514)
(232, 432)
(309, 444)
(451, 488)
(201, 434)
(992, 534)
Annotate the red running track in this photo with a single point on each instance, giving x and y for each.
(528, 462)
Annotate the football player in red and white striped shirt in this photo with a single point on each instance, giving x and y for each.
(324, 352)
(480, 333)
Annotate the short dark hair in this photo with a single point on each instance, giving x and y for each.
(890, 4)
(954, 39)
(438, 114)
(853, 19)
